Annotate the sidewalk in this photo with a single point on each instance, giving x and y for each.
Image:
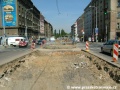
(117, 64)
(3, 47)
(106, 59)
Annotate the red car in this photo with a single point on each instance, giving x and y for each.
(23, 43)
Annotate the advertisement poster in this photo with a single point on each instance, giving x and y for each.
(42, 28)
(8, 12)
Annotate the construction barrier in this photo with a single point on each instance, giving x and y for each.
(32, 45)
(42, 43)
(115, 52)
(87, 46)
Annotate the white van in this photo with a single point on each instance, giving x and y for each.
(52, 39)
(14, 41)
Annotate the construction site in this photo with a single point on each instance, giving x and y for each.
(59, 67)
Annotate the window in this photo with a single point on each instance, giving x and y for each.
(111, 42)
(118, 3)
(118, 25)
(118, 15)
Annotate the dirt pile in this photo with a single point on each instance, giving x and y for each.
(59, 70)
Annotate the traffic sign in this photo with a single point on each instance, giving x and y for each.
(96, 30)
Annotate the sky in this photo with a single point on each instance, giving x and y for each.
(61, 14)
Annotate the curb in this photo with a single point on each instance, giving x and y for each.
(109, 62)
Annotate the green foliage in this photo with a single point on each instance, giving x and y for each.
(61, 33)
(55, 32)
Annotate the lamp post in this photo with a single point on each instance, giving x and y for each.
(96, 29)
(26, 22)
(83, 32)
(3, 16)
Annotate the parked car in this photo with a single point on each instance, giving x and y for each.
(23, 43)
(108, 46)
(40, 41)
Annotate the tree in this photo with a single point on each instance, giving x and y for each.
(59, 33)
(63, 33)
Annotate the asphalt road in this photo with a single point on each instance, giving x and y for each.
(10, 53)
(94, 48)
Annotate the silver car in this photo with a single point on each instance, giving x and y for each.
(108, 46)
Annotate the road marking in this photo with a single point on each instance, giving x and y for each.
(95, 48)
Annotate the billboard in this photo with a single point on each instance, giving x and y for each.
(8, 12)
(42, 27)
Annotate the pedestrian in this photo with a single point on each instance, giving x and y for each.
(0, 40)
(33, 44)
(41, 45)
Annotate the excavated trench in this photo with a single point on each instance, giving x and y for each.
(58, 68)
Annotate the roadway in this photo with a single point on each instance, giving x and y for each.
(11, 53)
(94, 48)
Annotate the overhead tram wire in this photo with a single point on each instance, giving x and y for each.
(57, 7)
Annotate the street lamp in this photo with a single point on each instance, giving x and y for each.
(96, 29)
(3, 16)
(83, 33)
(26, 22)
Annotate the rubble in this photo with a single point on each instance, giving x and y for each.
(48, 69)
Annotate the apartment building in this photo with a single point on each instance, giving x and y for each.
(74, 31)
(19, 18)
(88, 23)
(80, 27)
(101, 20)
(48, 30)
(108, 23)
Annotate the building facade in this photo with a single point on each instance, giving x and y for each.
(42, 30)
(48, 30)
(80, 27)
(101, 20)
(88, 23)
(74, 31)
(107, 22)
(20, 18)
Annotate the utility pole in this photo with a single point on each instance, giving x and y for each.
(96, 29)
(106, 32)
(96, 26)
(4, 40)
